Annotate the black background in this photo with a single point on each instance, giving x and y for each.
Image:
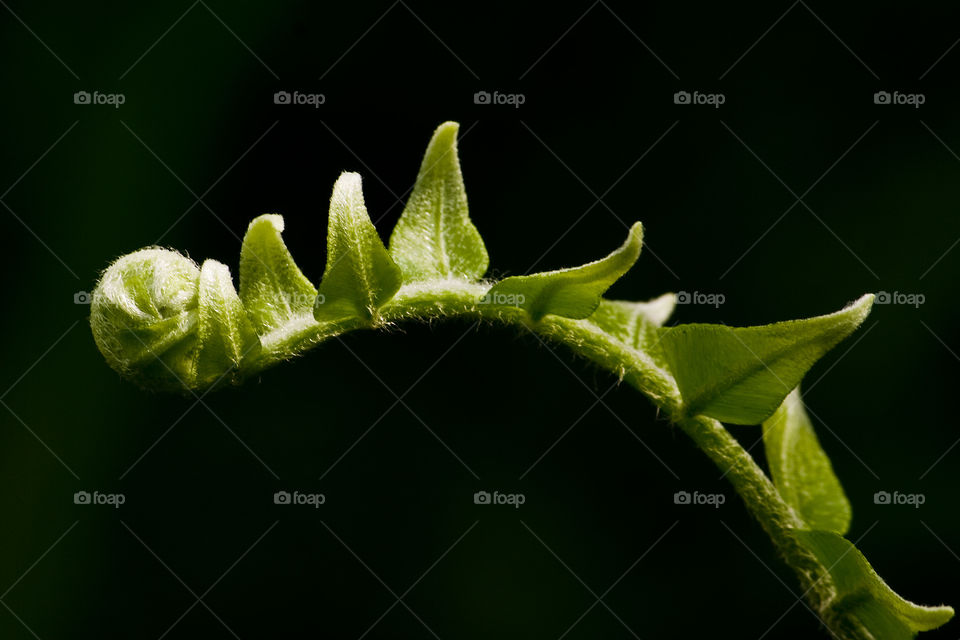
(199, 148)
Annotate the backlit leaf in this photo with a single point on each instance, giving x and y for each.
(571, 293)
(865, 607)
(360, 275)
(801, 469)
(434, 238)
(225, 335)
(635, 323)
(741, 375)
(272, 287)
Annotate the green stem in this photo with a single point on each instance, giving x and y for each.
(460, 299)
(763, 501)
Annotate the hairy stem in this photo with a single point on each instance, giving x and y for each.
(763, 501)
(460, 299)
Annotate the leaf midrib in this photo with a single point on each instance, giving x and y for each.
(717, 390)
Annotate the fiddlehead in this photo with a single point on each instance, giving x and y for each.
(165, 323)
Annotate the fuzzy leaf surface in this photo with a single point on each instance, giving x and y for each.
(865, 607)
(272, 288)
(571, 293)
(360, 275)
(434, 238)
(801, 470)
(740, 375)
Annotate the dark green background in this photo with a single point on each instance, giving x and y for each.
(199, 112)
